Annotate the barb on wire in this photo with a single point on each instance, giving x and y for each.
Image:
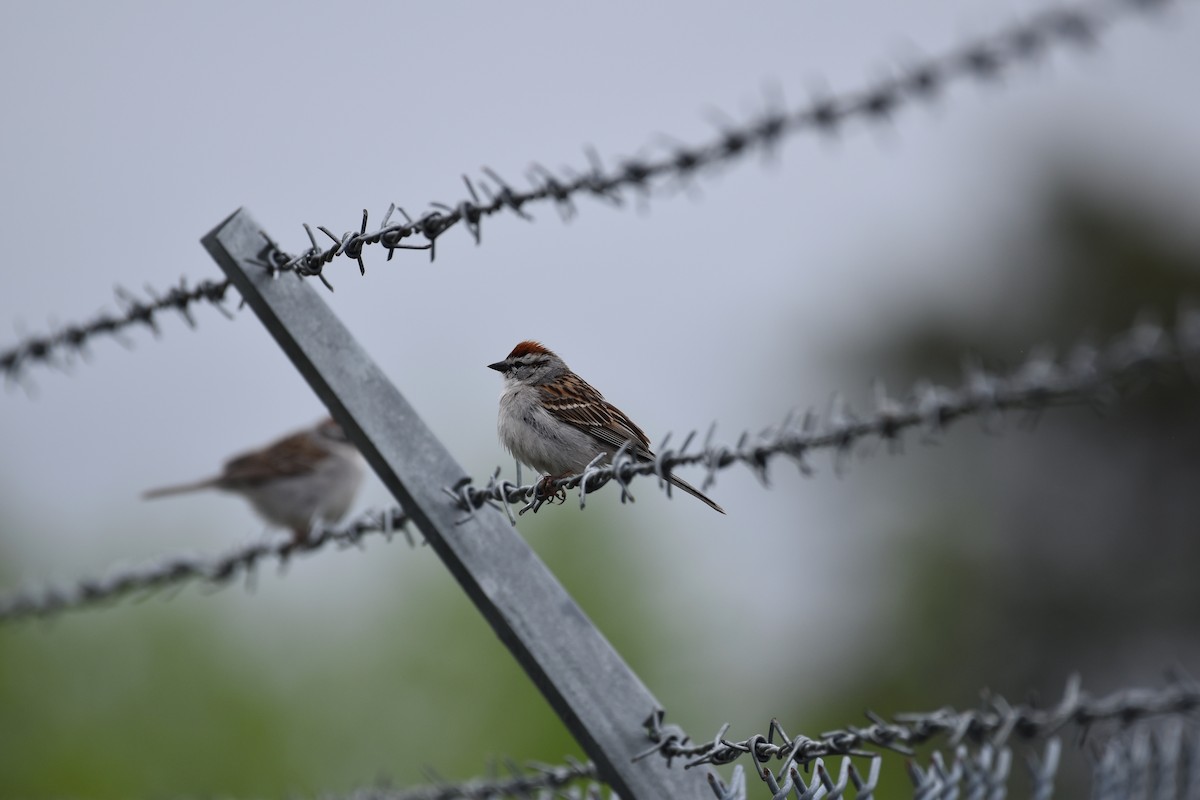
(675, 167)
(994, 724)
(1161, 761)
(982, 60)
(850, 783)
(179, 570)
(1144, 759)
(63, 346)
(574, 779)
(1042, 381)
(1086, 373)
(983, 772)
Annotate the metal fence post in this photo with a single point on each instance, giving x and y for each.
(598, 697)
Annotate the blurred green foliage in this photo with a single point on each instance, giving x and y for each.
(162, 698)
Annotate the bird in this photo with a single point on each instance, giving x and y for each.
(555, 422)
(307, 476)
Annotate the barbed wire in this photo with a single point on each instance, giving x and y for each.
(1161, 761)
(994, 724)
(1153, 751)
(69, 342)
(175, 571)
(849, 783)
(574, 779)
(982, 61)
(979, 773)
(1087, 373)
(983, 772)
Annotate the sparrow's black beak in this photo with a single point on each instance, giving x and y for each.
(499, 366)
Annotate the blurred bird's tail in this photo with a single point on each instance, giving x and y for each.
(167, 491)
(694, 492)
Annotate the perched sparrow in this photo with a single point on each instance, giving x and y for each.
(554, 421)
(310, 475)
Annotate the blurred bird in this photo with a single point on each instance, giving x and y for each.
(554, 421)
(306, 477)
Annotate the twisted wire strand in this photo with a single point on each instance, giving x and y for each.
(848, 783)
(216, 572)
(1086, 373)
(981, 61)
(573, 779)
(1161, 761)
(983, 772)
(69, 342)
(1144, 757)
(977, 773)
(995, 723)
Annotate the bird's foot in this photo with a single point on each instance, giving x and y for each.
(544, 492)
(547, 493)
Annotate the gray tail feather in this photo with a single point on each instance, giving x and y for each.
(167, 491)
(694, 492)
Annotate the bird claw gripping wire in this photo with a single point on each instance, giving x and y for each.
(1087, 374)
(1088, 371)
(546, 490)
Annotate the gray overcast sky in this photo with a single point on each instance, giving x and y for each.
(132, 128)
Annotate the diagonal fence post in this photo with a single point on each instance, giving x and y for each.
(599, 698)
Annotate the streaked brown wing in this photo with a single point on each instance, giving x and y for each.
(292, 455)
(578, 404)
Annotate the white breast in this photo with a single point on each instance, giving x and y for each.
(537, 439)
